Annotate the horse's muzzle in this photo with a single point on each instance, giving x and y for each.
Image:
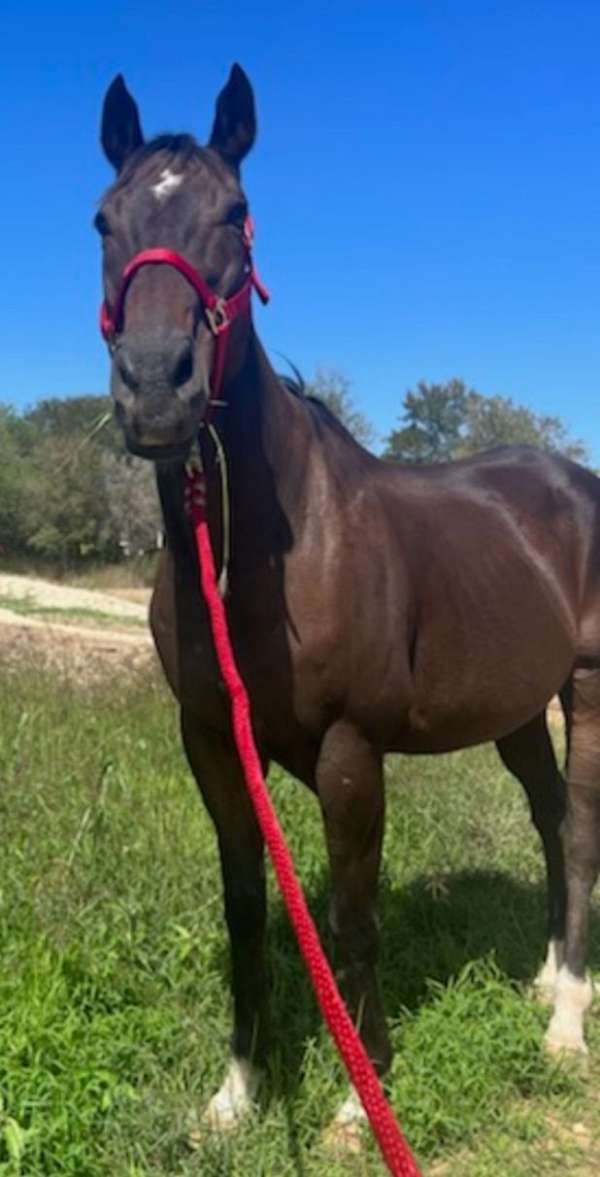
(160, 392)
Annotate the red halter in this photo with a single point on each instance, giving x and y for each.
(219, 312)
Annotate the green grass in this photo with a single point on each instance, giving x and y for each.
(26, 607)
(114, 1008)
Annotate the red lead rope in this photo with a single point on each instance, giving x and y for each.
(394, 1148)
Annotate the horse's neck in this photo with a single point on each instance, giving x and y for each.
(266, 431)
(268, 436)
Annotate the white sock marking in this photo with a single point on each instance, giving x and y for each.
(573, 996)
(545, 981)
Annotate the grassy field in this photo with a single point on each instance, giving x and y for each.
(114, 1009)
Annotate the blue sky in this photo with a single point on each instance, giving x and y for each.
(426, 186)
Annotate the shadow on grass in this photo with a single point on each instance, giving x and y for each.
(430, 929)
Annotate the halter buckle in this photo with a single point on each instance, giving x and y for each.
(217, 317)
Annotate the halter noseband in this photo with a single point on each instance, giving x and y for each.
(219, 312)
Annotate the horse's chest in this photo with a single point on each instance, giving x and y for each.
(181, 632)
(183, 638)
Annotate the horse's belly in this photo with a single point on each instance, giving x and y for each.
(490, 652)
(484, 698)
(428, 733)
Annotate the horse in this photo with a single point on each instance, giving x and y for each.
(373, 607)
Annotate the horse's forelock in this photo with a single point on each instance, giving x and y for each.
(165, 151)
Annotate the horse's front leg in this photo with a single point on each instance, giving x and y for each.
(350, 787)
(215, 765)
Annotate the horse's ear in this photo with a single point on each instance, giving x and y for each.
(234, 128)
(121, 132)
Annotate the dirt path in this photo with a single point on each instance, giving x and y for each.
(28, 590)
(88, 632)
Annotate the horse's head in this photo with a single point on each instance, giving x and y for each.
(174, 195)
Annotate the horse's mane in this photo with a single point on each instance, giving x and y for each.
(296, 385)
(324, 414)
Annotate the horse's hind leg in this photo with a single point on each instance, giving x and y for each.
(349, 780)
(582, 857)
(216, 768)
(529, 755)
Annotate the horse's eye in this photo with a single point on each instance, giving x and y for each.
(237, 215)
(101, 224)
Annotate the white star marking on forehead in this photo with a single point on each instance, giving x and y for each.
(167, 182)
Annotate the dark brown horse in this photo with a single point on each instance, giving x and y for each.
(373, 607)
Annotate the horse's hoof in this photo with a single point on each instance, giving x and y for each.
(216, 1120)
(223, 1117)
(574, 1050)
(232, 1104)
(573, 997)
(341, 1140)
(543, 993)
(560, 1043)
(345, 1134)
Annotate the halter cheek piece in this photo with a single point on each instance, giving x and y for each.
(218, 312)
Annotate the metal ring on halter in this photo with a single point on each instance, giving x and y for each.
(217, 316)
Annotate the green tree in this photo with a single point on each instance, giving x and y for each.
(446, 421)
(497, 420)
(435, 417)
(333, 389)
(65, 510)
(132, 499)
(69, 492)
(76, 417)
(12, 446)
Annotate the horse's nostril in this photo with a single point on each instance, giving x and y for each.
(184, 364)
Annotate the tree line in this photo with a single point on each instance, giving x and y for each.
(443, 422)
(70, 494)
